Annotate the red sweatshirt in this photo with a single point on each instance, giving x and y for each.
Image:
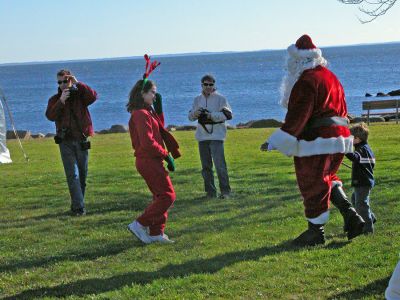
(61, 114)
(145, 131)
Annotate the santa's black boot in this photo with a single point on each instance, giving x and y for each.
(313, 236)
(353, 223)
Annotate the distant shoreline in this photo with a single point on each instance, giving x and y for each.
(261, 123)
(135, 57)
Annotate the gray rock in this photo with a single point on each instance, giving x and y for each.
(104, 131)
(263, 123)
(186, 127)
(38, 136)
(390, 117)
(364, 119)
(22, 134)
(118, 129)
(394, 93)
(171, 126)
(380, 94)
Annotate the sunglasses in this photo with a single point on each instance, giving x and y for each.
(62, 81)
(208, 84)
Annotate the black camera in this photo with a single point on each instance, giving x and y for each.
(73, 90)
(61, 135)
(203, 117)
(85, 145)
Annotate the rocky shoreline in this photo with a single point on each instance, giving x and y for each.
(263, 123)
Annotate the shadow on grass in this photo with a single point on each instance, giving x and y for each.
(116, 202)
(219, 223)
(376, 288)
(196, 266)
(103, 250)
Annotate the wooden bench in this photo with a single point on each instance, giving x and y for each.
(381, 104)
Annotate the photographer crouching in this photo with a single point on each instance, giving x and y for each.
(211, 110)
(69, 110)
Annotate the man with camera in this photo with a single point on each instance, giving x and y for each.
(211, 110)
(69, 110)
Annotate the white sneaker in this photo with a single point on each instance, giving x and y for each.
(139, 231)
(161, 238)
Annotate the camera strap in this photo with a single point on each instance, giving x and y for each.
(203, 124)
(206, 129)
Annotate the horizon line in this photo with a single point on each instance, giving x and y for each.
(174, 54)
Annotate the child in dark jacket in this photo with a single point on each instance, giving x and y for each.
(362, 177)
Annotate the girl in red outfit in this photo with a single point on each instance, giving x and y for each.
(148, 135)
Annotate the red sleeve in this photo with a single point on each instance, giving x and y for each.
(54, 108)
(300, 108)
(88, 95)
(144, 129)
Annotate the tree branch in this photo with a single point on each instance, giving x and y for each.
(371, 8)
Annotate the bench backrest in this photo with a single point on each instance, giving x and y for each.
(382, 104)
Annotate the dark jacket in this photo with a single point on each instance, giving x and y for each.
(77, 104)
(363, 165)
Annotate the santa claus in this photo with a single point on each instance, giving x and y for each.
(316, 133)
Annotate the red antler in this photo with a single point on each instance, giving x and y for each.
(150, 66)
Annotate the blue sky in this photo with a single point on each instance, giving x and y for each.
(47, 30)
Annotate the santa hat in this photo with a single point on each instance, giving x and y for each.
(304, 49)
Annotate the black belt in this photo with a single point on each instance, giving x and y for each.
(328, 121)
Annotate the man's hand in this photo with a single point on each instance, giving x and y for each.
(267, 147)
(264, 147)
(72, 78)
(197, 113)
(64, 96)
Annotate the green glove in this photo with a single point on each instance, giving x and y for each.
(157, 104)
(170, 163)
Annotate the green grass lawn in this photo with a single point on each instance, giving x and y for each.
(232, 248)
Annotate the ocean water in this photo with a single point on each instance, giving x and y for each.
(249, 80)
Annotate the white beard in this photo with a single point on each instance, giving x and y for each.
(294, 69)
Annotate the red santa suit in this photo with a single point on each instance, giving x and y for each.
(315, 131)
(148, 137)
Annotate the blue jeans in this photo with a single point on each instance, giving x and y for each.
(360, 201)
(75, 163)
(214, 151)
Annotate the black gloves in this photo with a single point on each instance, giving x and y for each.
(170, 163)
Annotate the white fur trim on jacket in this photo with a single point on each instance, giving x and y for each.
(284, 142)
(304, 53)
(321, 219)
(290, 146)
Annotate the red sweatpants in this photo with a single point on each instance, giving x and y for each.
(156, 214)
(314, 176)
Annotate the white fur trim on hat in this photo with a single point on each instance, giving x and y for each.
(291, 146)
(304, 53)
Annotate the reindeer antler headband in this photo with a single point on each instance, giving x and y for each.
(150, 67)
